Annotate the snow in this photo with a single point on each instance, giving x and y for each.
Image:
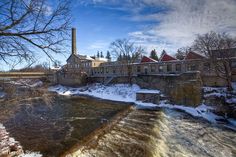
(127, 93)
(2, 94)
(102, 59)
(31, 154)
(214, 89)
(221, 92)
(89, 58)
(117, 92)
(27, 83)
(55, 68)
(148, 91)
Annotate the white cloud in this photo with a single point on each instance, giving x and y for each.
(179, 23)
(186, 18)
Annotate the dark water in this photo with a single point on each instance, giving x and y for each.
(54, 128)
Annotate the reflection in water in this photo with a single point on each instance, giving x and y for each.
(53, 129)
(146, 133)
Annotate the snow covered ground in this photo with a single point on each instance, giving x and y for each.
(127, 93)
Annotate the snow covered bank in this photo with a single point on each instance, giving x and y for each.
(127, 93)
(117, 92)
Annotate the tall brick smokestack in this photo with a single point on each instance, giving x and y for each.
(74, 41)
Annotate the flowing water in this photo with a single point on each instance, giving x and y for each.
(162, 133)
(55, 129)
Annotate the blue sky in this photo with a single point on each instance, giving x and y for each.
(153, 24)
(99, 24)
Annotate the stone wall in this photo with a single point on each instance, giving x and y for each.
(214, 81)
(70, 79)
(182, 89)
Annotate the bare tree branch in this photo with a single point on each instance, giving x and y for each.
(217, 47)
(29, 27)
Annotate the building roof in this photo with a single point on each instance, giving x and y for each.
(147, 59)
(166, 57)
(192, 55)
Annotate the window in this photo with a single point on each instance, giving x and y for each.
(160, 68)
(146, 70)
(153, 68)
(107, 70)
(138, 69)
(114, 71)
(169, 67)
(178, 67)
(192, 67)
(206, 66)
(233, 64)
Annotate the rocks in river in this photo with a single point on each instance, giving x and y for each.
(8, 146)
(222, 101)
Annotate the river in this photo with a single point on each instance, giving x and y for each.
(57, 128)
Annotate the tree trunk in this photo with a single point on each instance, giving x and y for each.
(130, 74)
(228, 76)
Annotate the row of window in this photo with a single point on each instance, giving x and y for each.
(153, 68)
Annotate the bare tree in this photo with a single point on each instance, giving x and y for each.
(182, 52)
(130, 54)
(218, 48)
(28, 27)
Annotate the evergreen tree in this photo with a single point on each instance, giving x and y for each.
(119, 58)
(163, 52)
(98, 55)
(153, 54)
(101, 54)
(108, 56)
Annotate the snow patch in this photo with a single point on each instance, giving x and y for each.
(2, 94)
(127, 93)
(31, 154)
(27, 83)
(117, 92)
(148, 91)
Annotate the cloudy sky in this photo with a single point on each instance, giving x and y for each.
(154, 24)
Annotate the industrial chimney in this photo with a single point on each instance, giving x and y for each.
(74, 41)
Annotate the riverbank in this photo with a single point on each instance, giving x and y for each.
(127, 93)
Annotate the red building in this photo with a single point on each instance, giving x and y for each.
(146, 59)
(165, 57)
